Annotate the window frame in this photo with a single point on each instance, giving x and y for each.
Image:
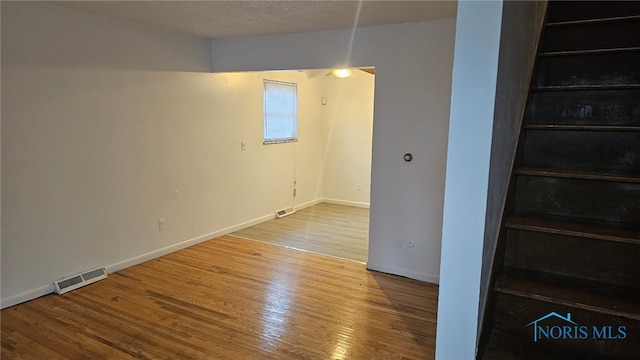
(294, 138)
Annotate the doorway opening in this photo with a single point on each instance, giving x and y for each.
(325, 175)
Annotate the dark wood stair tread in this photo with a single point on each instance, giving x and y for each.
(560, 226)
(585, 87)
(536, 286)
(581, 127)
(588, 51)
(505, 346)
(593, 21)
(575, 174)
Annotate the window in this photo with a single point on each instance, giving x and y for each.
(280, 112)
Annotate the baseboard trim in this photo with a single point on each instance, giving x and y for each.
(26, 296)
(433, 279)
(136, 260)
(346, 202)
(185, 244)
(308, 204)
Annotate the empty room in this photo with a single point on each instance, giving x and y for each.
(200, 180)
(335, 119)
(135, 150)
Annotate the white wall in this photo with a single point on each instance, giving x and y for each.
(103, 120)
(411, 114)
(348, 126)
(470, 131)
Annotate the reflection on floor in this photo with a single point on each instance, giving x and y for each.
(230, 298)
(336, 230)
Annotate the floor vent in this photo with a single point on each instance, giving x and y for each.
(73, 282)
(284, 212)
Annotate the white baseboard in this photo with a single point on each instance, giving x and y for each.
(346, 202)
(26, 296)
(308, 204)
(406, 273)
(185, 244)
(48, 289)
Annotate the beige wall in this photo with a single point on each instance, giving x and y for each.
(97, 147)
(348, 126)
(108, 126)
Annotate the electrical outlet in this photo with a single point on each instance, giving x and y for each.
(359, 187)
(161, 224)
(398, 243)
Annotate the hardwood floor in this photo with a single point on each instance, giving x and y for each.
(330, 229)
(231, 298)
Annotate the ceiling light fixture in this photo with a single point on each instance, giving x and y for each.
(341, 73)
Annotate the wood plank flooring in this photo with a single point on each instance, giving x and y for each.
(230, 298)
(330, 229)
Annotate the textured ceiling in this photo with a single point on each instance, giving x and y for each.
(225, 19)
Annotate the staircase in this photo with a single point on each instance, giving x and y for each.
(570, 240)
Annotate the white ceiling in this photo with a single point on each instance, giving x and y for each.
(225, 19)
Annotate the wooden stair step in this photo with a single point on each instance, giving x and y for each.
(591, 34)
(558, 291)
(586, 87)
(591, 108)
(593, 21)
(573, 174)
(587, 200)
(589, 151)
(612, 68)
(581, 127)
(521, 297)
(588, 51)
(570, 227)
(573, 256)
(562, 11)
(505, 346)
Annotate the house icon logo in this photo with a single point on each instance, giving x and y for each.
(564, 328)
(536, 328)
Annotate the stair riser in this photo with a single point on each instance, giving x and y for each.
(574, 10)
(591, 200)
(592, 107)
(513, 313)
(583, 150)
(589, 36)
(595, 69)
(576, 257)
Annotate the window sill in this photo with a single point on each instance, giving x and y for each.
(279, 141)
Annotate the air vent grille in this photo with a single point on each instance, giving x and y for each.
(73, 282)
(94, 274)
(70, 282)
(284, 212)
